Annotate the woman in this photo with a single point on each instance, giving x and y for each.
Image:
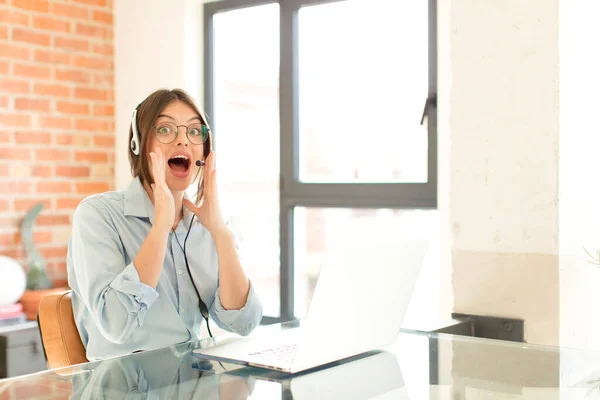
(146, 264)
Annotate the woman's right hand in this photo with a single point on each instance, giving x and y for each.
(164, 204)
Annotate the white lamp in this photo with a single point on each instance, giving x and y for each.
(12, 281)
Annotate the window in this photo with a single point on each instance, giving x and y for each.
(324, 116)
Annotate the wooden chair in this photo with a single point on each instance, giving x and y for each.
(60, 337)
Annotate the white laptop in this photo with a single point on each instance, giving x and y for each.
(359, 303)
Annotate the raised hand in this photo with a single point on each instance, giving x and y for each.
(164, 205)
(209, 211)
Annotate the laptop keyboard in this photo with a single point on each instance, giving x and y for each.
(283, 353)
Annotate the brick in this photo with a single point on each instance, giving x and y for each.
(52, 155)
(4, 206)
(91, 187)
(56, 122)
(17, 254)
(104, 49)
(71, 44)
(51, 90)
(68, 202)
(104, 141)
(16, 120)
(4, 67)
(103, 17)
(72, 108)
(92, 62)
(107, 79)
(73, 12)
(14, 17)
(103, 171)
(20, 170)
(4, 138)
(51, 57)
(32, 104)
(15, 153)
(97, 32)
(15, 52)
(14, 86)
(4, 102)
(101, 110)
(72, 75)
(99, 3)
(33, 137)
(7, 239)
(72, 172)
(74, 140)
(15, 187)
(30, 36)
(53, 187)
(49, 252)
(26, 204)
(92, 125)
(31, 71)
(3, 32)
(51, 24)
(42, 171)
(91, 94)
(91, 156)
(32, 5)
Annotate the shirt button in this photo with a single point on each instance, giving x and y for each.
(183, 310)
(179, 271)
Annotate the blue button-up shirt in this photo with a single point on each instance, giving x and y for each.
(116, 313)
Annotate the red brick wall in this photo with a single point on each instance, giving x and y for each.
(56, 117)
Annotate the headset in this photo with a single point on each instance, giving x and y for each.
(135, 139)
(135, 149)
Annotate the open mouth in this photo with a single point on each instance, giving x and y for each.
(180, 165)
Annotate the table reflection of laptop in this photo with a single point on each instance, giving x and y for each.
(358, 305)
(373, 375)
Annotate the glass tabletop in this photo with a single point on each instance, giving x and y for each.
(418, 365)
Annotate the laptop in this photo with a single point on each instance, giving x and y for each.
(358, 305)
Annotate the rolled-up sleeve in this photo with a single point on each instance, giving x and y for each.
(242, 321)
(111, 289)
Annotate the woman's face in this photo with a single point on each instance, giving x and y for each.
(181, 154)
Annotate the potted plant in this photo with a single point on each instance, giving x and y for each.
(38, 283)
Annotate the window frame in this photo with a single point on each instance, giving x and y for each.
(292, 191)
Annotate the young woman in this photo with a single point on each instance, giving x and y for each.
(146, 265)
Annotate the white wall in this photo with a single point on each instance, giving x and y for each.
(158, 44)
(499, 121)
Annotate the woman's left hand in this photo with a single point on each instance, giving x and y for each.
(209, 211)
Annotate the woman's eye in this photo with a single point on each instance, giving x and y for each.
(164, 130)
(195, 132)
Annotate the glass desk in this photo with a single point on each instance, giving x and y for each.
(418, 365)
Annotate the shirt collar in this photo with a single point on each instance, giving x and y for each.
(138, 204)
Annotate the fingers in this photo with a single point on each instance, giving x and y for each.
(209, 178)
(157, 165)
(190, 206)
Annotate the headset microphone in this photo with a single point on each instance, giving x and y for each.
(200, 163)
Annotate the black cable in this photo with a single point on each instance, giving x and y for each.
(203, 308)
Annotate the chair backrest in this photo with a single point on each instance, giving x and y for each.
(60, 337)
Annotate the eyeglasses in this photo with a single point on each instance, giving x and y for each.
(166, 132)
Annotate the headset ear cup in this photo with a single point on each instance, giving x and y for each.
(135, 140)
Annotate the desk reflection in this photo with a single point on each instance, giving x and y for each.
(176, 374)
(367, 376)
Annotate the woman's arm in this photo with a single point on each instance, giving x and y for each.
(110, 288)
(233, 282)
(150, 258)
